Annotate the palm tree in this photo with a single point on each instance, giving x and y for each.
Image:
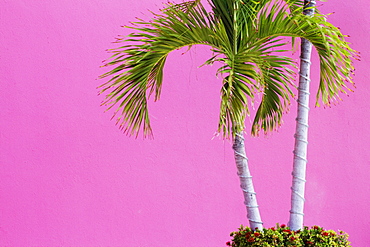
(246, 37)
(328, 91)
(301, 133)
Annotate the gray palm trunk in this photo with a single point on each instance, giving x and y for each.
(246, 183)
(301, 134)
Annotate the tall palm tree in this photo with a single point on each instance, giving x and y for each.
(327, 92)
(301, 133)
(246, 37)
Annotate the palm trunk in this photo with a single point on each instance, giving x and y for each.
(246, 183)
(300, 147)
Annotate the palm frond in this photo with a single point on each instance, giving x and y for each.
(335, 54)
(278, 76)
(139, 65)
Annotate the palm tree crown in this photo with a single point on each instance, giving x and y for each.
(246, 37)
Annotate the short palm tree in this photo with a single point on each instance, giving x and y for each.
(246, 37)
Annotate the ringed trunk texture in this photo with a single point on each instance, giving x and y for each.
(246, 183)
(301, 134)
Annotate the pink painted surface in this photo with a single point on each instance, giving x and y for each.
(68, 177)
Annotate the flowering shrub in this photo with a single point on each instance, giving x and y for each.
(283, 236)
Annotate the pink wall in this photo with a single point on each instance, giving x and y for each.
(70, 178)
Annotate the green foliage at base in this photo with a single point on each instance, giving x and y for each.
(281, 235)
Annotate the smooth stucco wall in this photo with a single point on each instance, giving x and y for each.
(69, 177)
